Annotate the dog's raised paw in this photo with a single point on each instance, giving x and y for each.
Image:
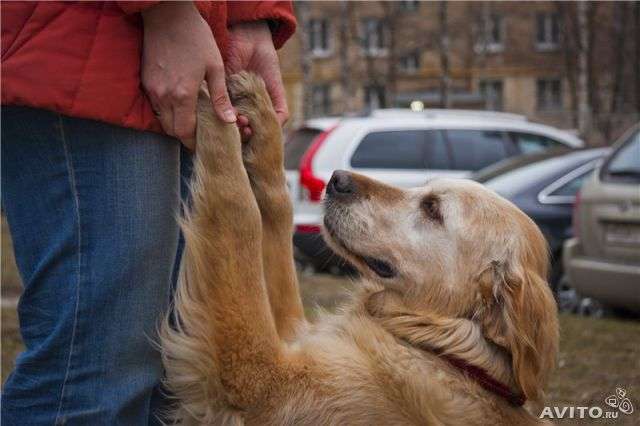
(248, 93)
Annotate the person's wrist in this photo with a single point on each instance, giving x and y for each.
(256, 30)
(259, 25)
(158, 15)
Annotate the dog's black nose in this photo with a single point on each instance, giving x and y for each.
(341, 184)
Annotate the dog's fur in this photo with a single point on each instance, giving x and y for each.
(468, 280)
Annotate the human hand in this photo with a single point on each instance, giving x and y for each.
(251, 49)
(180, 52)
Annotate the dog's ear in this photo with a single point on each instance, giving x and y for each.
(521, 316)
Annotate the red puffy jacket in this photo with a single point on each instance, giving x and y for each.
(83, 59)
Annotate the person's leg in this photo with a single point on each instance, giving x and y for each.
(161, 399)
(92, 210)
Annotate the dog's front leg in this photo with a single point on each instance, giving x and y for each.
(223, 350)
(263, 160)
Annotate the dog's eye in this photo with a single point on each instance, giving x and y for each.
(431, 206)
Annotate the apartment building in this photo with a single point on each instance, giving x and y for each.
(509, 56)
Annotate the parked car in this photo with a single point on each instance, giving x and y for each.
(402, 148)
(544, 186)
(603, 259)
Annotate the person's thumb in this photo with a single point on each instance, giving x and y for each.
(219, 96)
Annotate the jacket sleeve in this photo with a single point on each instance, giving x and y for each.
(279, 14)
(130, 7)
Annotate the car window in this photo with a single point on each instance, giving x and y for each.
(624, 165)
(398, 149)
(528, 143)
(571, 188)
(297, 144)
(475, 149)
(436, 152)
(517, 180)
(512, 163)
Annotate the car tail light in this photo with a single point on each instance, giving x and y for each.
(308, 229)
(575, 219)
(311, 184)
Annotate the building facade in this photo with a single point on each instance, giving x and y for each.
(518, 57)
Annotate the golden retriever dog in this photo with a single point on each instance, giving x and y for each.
(452, 322)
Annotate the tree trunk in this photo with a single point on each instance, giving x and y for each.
(390, 28)
(619, 35)
(584, 109)
(306, 61)
(570, 51)
(596, 112)
(346, 73)
(444, 46)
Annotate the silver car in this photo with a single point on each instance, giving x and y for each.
(603, 259)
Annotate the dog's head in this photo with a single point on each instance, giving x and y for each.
(456, 249)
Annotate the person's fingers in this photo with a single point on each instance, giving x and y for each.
(161, 107)
(278, 96)
(190, 143)
(166, 119)
(244, 127)
(219, 96)
(283, 116)
(243, 120)
(165, 116)
(184, 116)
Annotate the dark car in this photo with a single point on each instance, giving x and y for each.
(544, 186)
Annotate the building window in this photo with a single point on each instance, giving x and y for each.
(319, 37)
(410, 62)
(547, 31)
(548, 94)
(491, 34)
(491, 91)
(320, 100)
(373, 37)
(374, 96)
(409, 6)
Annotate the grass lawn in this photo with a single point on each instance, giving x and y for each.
(596, 355)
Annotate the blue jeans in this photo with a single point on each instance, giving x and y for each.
(92, 210)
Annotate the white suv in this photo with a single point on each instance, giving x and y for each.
(402, 148)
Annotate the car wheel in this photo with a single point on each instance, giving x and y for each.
(566, 296)
(570, 301)
(590, 308)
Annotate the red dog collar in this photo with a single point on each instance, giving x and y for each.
(486, 381)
